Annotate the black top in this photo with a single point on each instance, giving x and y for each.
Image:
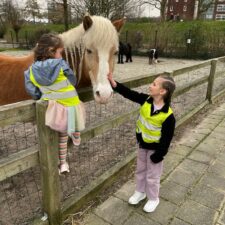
(168, 125)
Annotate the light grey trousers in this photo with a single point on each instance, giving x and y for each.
(148, 174)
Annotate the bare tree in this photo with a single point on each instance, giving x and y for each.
(64, 6)
(107, 8)
(13, 16)
(203, 6)
(32, 8)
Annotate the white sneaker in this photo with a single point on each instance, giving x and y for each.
(151, 205)
(64, 168)
(136, 198)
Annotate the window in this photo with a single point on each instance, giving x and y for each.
(185, 8)
(220, 8)
(220, 16)
(185, 0)
(171, 8)
(177, 0)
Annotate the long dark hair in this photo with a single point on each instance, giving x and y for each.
(169, 85)
(47, 46)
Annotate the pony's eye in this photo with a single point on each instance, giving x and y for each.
(89, 51)
(116, 52)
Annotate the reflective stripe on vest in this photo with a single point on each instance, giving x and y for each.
(150, 126)
(61, 90)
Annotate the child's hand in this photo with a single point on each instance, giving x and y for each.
(111, 80)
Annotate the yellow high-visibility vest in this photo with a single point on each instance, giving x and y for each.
(150, 126)
(61, 90)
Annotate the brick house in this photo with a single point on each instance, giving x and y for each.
(219, 10)
(180, 9)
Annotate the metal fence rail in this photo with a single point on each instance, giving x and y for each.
(108, 140)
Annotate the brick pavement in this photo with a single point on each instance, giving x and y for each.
(192, 186)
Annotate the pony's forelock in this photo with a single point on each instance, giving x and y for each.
(98, 34)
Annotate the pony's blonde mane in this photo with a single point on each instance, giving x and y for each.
(102, 34)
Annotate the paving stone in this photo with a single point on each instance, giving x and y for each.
(202, 157)
(221, 157)
(207, 196)
(202, 130)
(214, 181)
(222, 124)
(170, 163)
(183, 177)
(196, 214)
(211, 120)
(219, 129)
(222, 218)
(193, 166)
(114, 211)
(177, 221)
(163, 213)
(209, 126)
(189, 142)
(173, 192)
(219, 111)
(216, 116)
(137, 219)
(126, 190)
(218, 133)
(94, 220)
(181, 150)
(218, 168)
(210, 145)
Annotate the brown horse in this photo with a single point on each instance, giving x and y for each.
(89, 49)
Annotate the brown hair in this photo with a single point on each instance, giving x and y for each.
(47, 46)
(169, 85)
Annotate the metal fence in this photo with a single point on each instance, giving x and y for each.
(25, 190)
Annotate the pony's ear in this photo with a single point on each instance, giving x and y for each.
(118, 24)
(87, 22)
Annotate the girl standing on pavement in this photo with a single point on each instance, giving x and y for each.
(154, 131)
(50, 78)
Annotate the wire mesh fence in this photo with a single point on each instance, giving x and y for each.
(17, 137)
(20, 195)
(20, 198)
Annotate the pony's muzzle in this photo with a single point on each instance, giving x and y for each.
(103, 94)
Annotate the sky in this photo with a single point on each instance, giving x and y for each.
(151, 11)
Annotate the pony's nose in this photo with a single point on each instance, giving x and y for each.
(97, 93)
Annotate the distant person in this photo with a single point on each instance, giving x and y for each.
(154, 132)
(50, 78)
(171, 17)
(128, 53)
(120, 53)
(124, 49)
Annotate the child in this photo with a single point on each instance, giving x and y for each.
(154, 131)
(50, 78)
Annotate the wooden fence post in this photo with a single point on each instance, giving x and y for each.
(211, 80)
(48, 141)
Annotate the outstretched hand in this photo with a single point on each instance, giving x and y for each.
(111, 80)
